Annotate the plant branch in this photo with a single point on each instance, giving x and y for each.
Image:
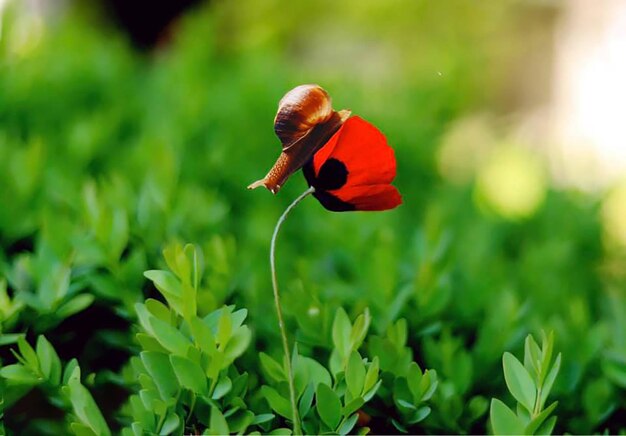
(281, 323)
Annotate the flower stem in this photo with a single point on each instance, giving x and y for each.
(281, 325)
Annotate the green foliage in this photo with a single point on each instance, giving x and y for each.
(530, 384)
(108, 157)
(185, 369)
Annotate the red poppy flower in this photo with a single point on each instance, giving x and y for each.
(354, 170)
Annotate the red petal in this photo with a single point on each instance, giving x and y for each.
(372, 197)
(364, 151)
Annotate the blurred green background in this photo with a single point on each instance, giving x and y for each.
(108, 153)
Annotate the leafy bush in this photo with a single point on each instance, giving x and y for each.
(401, 319)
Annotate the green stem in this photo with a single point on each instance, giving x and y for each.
(281, 325)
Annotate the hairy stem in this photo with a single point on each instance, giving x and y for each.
(281, 325)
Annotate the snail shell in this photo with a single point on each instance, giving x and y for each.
(304, 122)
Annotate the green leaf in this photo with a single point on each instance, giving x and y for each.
(48, 360)
(549, 380)
(262, 418)
(238, 343)
(19, 374)
(370, 393)
(503, 420)
(348, 425)
(75, 305)
(169, 286)
(328, 406)
(160, 369)
(9, 338)
(547, 344)
(372, 375)
(342, 329)
(414, 380)
(428, 384)
(202, 335)
(28, 353)
(547, 427)
(219, 426)
(171, 423)
(86, 409)
(70, 369)
(223, 386)
(532, 355)
(165, 282)
(306, 400)
(353, 406)
(519, 381)
(158, 310)
(240, 421)
(534, 425)
(419, 415)
(172, 339)
(278, 403)
(81, 429)
(148, 343)
(189, 374)
(359, 329)
(224, 329)
(272, 369)
(355, 374)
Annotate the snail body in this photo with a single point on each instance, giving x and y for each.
(304, 122)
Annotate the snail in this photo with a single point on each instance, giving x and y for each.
(305, 121)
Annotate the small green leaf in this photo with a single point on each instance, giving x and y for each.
(28, 353)
(219, 426)
(414, 380)
(547, 427)
(355, 374)
(172, 339)
(519, 381)
(262, 418)
(278, 403)
(238, 343)
(536, 423)
(428, 384)
(85, 408)
(372, 375)
(419, 415)
(223, 386)
(19, 374)
(160, 369)
(81, 429)
(169, 286)
(328, 406)
(158, 310)
(271, 368)
(549, 380)
(341, 332)
(369, 394)
(503, 420)
(171, 424)
(532, 355)
(306, 400)
(224, 329)
(547, 345)
(202, 336)
(148, 343)
(353, 406)
(348, 425)
(189, 374)
(75, 305)
(359, 329)
(70, 369)
(48, 360)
